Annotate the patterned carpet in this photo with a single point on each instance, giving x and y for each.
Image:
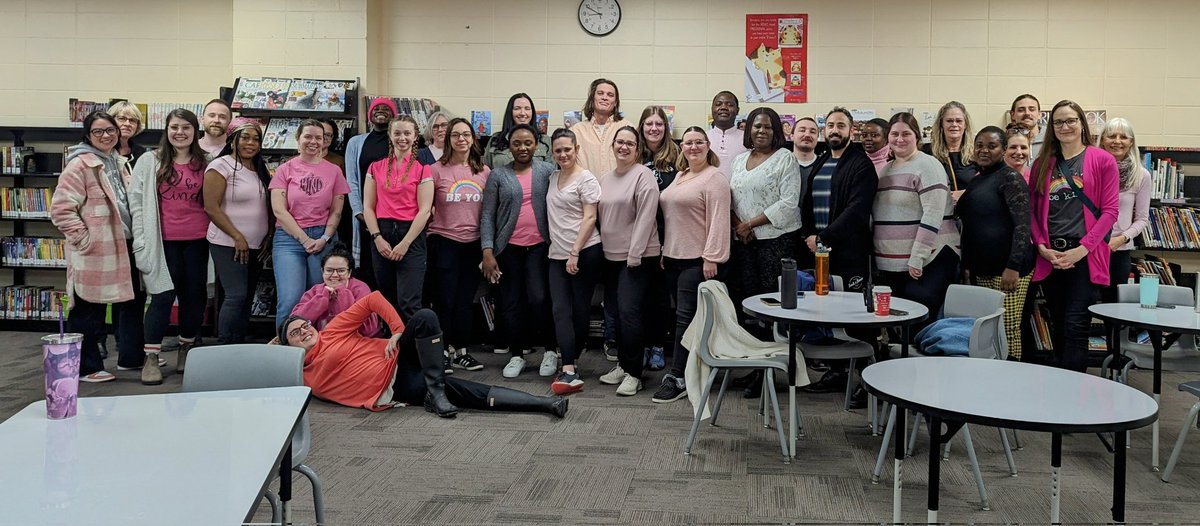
(617, 460)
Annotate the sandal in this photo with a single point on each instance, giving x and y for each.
(97, 377)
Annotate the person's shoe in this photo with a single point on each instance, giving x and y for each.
(514, 367)
(98, 377)
(858, 399)
(613, 377)
(745, 380)
(162, 362)
(431, 352)
(181, 355)
(566, 383)
(549, 364)
(151, 374)
(610, 351)
(466, 362)
(658, 362)
(629, 386)
(505, 399)
(440, 406)
(831, 382)
(671, 390)
(500, 350)
(754, 391)
(447, 365)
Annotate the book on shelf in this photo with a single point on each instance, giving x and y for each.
(1040, 325)
(34, 251)
(1166, 176)
(263, 303)
(331, 96)
(15, 159)
(1172, 228)
(482, 122)
(77, 110)
(280, 133)
(26, 302)
(25, 203)
(266, 93)
(302, 95)
(1149, 265)
(273, 93)
(543, 122)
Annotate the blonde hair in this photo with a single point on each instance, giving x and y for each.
(128, 109)
(1117, 125)
(938, 146)
(412, 154)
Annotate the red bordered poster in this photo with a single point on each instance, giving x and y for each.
(776, 62)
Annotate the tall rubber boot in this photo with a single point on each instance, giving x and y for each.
(505, 399)
(429, 352)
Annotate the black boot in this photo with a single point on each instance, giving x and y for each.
(755, 388)
(505, 399)
(858, 399)
(754, 377)
(429, 351)
(831, 382)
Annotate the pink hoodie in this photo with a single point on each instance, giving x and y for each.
(318, 308)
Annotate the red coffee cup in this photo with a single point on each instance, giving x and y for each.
(883, 300)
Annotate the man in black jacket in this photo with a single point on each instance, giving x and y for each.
(835, 211)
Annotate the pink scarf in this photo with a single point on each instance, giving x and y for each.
(880, 157)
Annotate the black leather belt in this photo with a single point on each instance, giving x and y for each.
(1062, 243)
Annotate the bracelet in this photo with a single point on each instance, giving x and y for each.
(574, 254)
(326, 238)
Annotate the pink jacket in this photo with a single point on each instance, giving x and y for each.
(1101, 183)
(84, 209)
(318, 308)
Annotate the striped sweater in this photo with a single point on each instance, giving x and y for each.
(913, 213)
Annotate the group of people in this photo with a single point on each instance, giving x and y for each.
(546, 219)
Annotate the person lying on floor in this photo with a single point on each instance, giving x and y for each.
(345, 367)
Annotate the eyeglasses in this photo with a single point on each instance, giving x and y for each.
(296, 332)
(695, 144)
(1019, 130)
(128, 119)
(337, 271)
(441, 126)
(100, 132)
(627, 144)
(1066, 123)
(461, 135)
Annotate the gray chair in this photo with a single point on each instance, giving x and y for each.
(1177, 355)
(704, 352)
(256, 366)
(1193, 388)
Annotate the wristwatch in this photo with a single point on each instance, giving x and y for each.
(325, 238)
(375, 235)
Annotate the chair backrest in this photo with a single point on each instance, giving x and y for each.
(1167, 295)
(987, 307)
(704, 350)
(250, 366)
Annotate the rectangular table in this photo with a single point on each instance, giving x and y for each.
(178, 458)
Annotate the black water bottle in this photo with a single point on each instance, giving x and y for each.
(787, 283)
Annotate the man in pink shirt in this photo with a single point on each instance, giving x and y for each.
(724, 136)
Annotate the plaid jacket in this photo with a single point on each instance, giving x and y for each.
(84, 209)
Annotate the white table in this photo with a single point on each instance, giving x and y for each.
(1181, 320)
(1012, 395)
(835, 310)
(179, 458)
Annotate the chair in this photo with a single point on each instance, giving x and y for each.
(1179, 353)
(256, 366)
(704, 352)
(1193, 388)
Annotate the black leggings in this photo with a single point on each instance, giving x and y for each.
(187, 262)
(401, 281)
(523, 307)
(626, 288)
(1068, 295)
(454, 266)
(683, 282)
(571, 299)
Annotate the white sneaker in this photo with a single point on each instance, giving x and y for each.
(549, 364)
(514, 367)
(629, 386)
(500, 350)
(614, 377)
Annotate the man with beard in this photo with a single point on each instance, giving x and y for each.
(804, 146)
(215, 119)
(361, 151)
(1028, 111)
(724, 138)
(836, 213)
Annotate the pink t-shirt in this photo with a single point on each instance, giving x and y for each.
(181, 204)
(310, 189)
(564, 212)
(457, 200)
(526, 233)
(396, 192)
(245, 203)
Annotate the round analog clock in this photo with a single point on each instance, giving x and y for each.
(599, 17)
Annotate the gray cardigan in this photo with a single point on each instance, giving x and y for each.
(502, 205)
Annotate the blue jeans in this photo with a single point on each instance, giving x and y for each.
(296, 271)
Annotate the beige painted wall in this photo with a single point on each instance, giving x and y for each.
(1134, 59)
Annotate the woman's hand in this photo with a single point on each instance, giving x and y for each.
(491, 269)
(383, 247)
(399, 250)
(241, 250)
(955, 195)
(393, 346)
(1116, 242)
(710, 270)
(1070, 257)
(332, 292)
(572, 264)
(811, 241)
(744, 231)
(314, 246)
(1008, 280)
(914, 272)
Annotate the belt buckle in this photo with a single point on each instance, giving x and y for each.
(1058, 243)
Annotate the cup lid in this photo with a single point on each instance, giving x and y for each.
(70, 337)
(880, 288)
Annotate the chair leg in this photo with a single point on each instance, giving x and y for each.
(769, 377)
(946, 451)
(912, 439)
(966, 432)
(849, 385)
(1104, 366)
(720, 398)
(1017, 440)
(1012, 464)
(883, 447)
(763, 401)
(1183, 433)
(712, 377)
(276, 509)
(318, 492)
(871, 415)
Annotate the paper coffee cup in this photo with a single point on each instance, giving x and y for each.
(883, 300)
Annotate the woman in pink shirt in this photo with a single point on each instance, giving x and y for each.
(1133, 213)
(397, 204)
(169, 229)
(629, 234)
(454, 254)
(307, 195)
(696, 208)
(335, 294)
(576, 259)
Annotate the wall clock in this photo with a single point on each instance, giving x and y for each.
(599, 17)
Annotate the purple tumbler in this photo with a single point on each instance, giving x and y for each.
(60, 359)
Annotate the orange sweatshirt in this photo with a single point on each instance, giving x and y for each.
(348, 368)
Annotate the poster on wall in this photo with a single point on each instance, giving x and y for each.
(776, 62)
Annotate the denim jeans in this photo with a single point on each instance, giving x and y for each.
(1069, 293)
(238, 282)
(187, 262)
(295, 270)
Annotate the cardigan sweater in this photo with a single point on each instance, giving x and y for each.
(852, 194)
(1101, 182)
(84, 208)
(502, 205)
(148, 251)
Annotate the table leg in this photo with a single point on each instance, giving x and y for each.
(1118, 509)
(1055, 467)
(935, 447)
(285, 483)
(1110, 343)
(904, 333)
(793, 413)
(899, 462)
(1156, 342)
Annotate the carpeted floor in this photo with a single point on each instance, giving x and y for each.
(620, 460)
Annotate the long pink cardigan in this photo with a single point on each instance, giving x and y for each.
(1101, 184)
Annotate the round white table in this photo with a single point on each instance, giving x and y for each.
(1179, 320)
(836, 310)
(1012, 395)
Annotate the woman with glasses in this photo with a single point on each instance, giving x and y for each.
(1133, 213)
(129, 119)
(951, 144)
(91, 208)
(336, 293)
(1074, 201)
(520, 110)
(659, 154)
(435, 138)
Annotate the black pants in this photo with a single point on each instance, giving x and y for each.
(660, 313)
(683, 282)
(756, 268)
(1119, 267)
(1068, 295)
(571, 299)
(409, 386)
(523, 311)
(928, 290)
(454, 267)
(187, 262)
(238, 282)
(627, 288)
(87, 318)
(401, 281)
(365, 272)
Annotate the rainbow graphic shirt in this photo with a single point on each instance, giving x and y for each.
(457, 200)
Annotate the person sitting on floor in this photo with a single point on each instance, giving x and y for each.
(336, 293)
(345, 367)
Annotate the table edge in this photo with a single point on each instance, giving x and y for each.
(1107, 318)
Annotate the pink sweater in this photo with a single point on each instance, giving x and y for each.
(319, 308)
(628, 215)
(1101, 182)
(696, 215)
